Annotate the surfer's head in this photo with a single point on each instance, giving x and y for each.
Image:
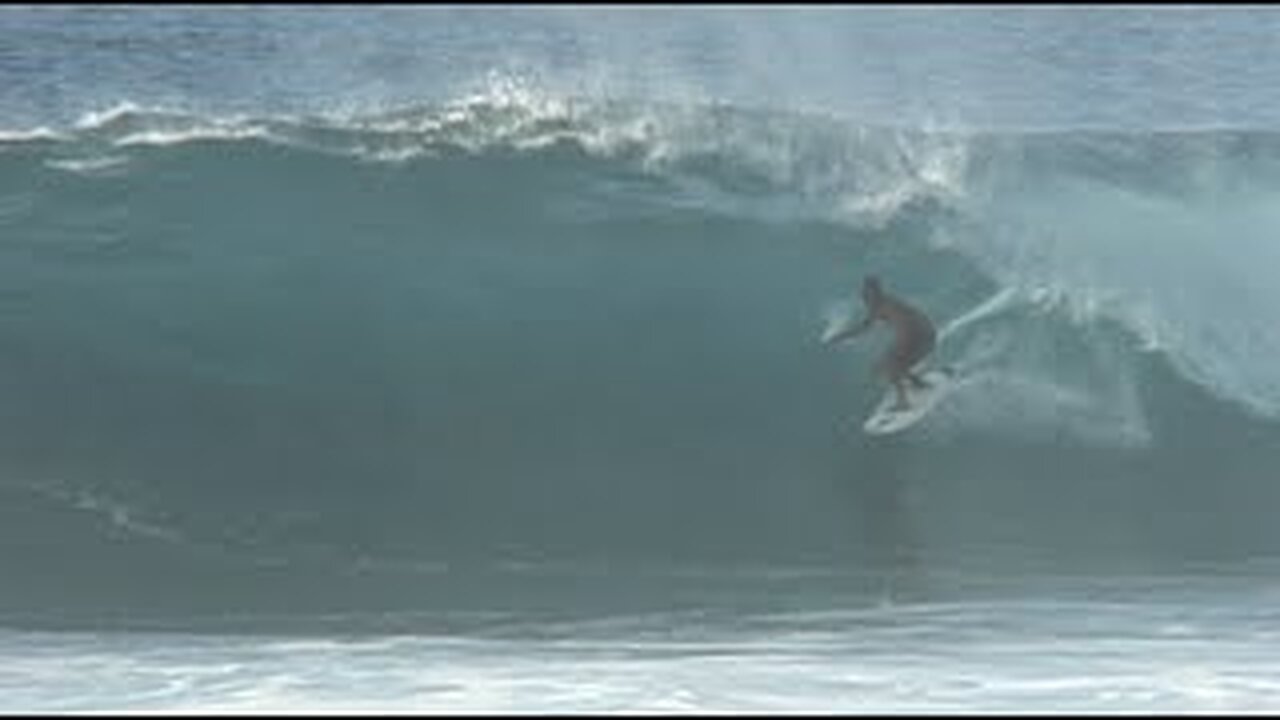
(871, 290)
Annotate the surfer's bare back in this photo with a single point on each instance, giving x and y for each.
(914, 337)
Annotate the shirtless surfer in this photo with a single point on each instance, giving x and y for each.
(914, 337)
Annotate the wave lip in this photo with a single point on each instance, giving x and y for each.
(1070, 216)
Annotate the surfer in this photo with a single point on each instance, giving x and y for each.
(914, 337)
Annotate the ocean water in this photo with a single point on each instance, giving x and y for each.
(466, 359)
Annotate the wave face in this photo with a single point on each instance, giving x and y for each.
(244, 352)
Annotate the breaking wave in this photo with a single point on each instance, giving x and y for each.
(519, 328)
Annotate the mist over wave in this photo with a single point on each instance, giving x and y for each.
(524, 327)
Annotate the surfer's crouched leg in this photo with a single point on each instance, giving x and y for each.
(901, 391)
(906, 356)
(889, 369)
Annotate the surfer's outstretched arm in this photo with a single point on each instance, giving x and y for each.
(852, 331)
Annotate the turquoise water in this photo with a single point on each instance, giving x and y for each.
(436, 359)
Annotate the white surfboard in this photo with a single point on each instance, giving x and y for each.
(885, 419)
